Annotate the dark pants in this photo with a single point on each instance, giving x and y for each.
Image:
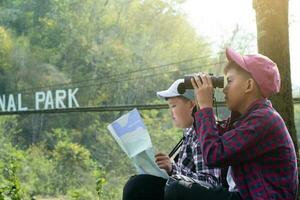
(144, 187)
(181, 190)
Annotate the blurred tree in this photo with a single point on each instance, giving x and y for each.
(6, 47)
(12, 188)
(73, 165)
(297, 120)
(273, 41)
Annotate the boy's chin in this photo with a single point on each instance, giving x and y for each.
(231, 107)
(176, 124)
(228, 104)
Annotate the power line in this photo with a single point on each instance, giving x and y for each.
(93, 109)
(106, 108)
(126, 78)
(149, 75)
(113, 75)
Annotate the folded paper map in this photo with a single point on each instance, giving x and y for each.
(131, 134)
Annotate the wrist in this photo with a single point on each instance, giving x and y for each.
(205, 105)
(172, 168)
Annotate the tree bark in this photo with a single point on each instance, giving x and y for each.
(273, 42)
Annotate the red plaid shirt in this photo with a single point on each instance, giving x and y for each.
(259, 149)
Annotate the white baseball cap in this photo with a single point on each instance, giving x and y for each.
(172, 91)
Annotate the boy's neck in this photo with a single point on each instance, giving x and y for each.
(247, 103)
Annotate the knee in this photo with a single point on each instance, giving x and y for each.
(172, 191)
(143, 185)
(130, 188)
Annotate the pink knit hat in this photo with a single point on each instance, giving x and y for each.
(263, 70)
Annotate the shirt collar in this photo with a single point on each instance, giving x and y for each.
(188, 131)
(258, 103)
(255, 105)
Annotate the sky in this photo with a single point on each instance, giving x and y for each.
(216, 19)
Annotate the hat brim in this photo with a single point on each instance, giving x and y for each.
(166, 94)
(236, 58)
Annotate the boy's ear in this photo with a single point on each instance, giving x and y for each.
(193, 104)
(250, 85)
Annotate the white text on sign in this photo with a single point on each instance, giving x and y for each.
(43, 100)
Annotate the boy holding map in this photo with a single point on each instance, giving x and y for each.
(190, 161)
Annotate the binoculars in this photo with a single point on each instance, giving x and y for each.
(217, 81)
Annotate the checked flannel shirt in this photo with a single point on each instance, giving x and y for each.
(190, 161)
(258, 148)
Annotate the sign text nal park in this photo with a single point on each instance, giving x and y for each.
(43, 100)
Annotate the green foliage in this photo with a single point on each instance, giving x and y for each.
(72, 166)
(11, 188)
(5, 49)
(43, 42)
(80, 194)
(99, 186)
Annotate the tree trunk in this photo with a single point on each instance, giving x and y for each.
(273, 41)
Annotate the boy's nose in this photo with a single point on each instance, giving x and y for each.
(225, 89)
(172, 113)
